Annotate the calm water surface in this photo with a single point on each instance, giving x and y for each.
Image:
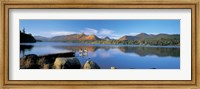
(107, 56)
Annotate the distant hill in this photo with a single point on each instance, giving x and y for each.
(41, 38)
(91, 37)
(75, 37)
(106, 38)
(26, 38)
(140, 39)
(126, 38)
(149, 39)
(144, 36)
(137, 37)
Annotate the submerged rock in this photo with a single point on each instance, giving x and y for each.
(29, 62)
(90, 65)
(67, 63)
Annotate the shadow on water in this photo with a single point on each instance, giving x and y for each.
(24, 48)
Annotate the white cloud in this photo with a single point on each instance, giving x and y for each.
(55, 33)
(115, 36)
(133, 34)
(105, 31)
(62, 33)
(90, 31)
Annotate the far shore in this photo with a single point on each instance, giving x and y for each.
(87, 44)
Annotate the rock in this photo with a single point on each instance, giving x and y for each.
(29, 62)
(44, 61)
(67, 63)
(66, 54)
(49, 59)
(90, 65)
(46, 66)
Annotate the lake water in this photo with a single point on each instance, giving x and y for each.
(107, 56)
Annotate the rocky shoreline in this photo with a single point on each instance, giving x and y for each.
(55, 61)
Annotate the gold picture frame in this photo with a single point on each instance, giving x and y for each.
(4, 44)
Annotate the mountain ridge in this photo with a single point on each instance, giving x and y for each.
(143, 36)
(139, 39)
(71, 37)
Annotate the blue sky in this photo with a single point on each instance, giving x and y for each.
(101, 28)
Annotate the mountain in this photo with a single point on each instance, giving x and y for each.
(91, 37)
(26, 38)
(75, 37)
(144, 36)
(106, 38)
(149, 39)
(137, 37)
(140, 39)
(41, 38)
(126, 38)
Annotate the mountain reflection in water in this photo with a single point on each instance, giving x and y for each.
(119, 56)
(140, 50)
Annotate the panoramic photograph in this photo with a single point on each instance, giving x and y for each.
(99, 44)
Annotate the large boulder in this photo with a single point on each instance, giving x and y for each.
(29, 62)
(46, 62)
(90, 65)
(67, 63)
